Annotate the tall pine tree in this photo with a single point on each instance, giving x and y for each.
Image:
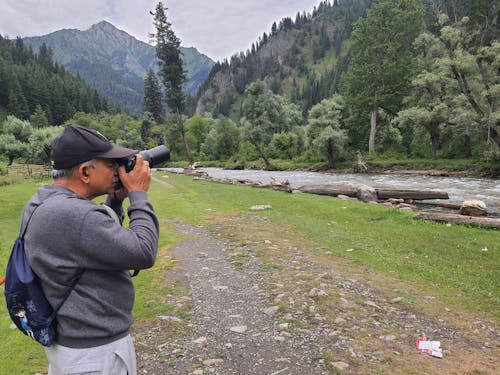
(171, 69)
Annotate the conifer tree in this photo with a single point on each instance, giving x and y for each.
(171, 69)
(152, 101)
(38, 119)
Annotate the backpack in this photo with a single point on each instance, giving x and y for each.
(26, 303)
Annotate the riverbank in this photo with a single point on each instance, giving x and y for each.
(440, 167)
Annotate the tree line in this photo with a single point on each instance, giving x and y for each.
(420, 79)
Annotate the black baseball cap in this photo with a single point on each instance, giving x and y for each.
(78, 144)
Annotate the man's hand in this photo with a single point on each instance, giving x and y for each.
(138, 178)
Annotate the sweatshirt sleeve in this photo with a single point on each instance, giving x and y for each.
(104, 244)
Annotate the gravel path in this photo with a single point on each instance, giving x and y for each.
(234, 326)
(296, 314)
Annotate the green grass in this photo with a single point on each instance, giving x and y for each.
(444, 262)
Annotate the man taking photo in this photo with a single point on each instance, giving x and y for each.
(75, 246)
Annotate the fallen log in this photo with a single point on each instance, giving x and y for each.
(331, 190)
(460, 219)
(386, 193)
(382, 193)
(452, 206)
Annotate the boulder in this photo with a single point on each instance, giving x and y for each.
(473, 208)
(366, 193)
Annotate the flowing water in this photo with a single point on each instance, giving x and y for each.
(458, 188)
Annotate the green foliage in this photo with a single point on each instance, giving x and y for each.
(222, 140)
(198, 128)
(324, 128)
(266, 114)
(382, 58)
(21, 130)
(246, 152)
(286, 145)
(40, 144)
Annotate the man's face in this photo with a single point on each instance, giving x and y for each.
(104, 176)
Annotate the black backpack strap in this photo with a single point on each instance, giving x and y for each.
(134, 273)
(68, 292)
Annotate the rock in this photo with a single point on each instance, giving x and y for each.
(260, 207)
(372, 304)
(396, 200)
(473, 208)
(388, 338)
(171, 318)
(344, 197)
(201, 341)
(239, 329)
(366, 193)
(339, 320)
(213, 362)
(317, 293)
(271, 310)
(397, 299)
(220, 287)
(340, 365)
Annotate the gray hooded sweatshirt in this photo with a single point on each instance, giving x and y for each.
(68, 235)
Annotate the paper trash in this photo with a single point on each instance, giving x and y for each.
(429, 347)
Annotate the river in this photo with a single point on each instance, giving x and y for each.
(458, 188)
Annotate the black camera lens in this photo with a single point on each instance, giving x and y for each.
(154, 156)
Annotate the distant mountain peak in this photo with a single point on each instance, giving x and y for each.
(114, 62)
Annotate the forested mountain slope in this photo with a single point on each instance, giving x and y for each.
(301, 59)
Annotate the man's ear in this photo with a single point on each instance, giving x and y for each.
(83, 172)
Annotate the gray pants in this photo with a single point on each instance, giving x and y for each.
(116, 358)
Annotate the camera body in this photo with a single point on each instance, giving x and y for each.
(154, 156)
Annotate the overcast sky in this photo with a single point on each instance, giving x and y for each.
(217, 28)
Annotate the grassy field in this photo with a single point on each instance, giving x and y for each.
(447, 262)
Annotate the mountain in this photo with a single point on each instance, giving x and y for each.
(115, 63)
(301, 59)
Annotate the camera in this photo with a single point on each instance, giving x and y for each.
(154, 156)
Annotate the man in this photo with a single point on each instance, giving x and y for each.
(70, 238)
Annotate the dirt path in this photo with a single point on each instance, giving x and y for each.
(234, 327)
(261, 305)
